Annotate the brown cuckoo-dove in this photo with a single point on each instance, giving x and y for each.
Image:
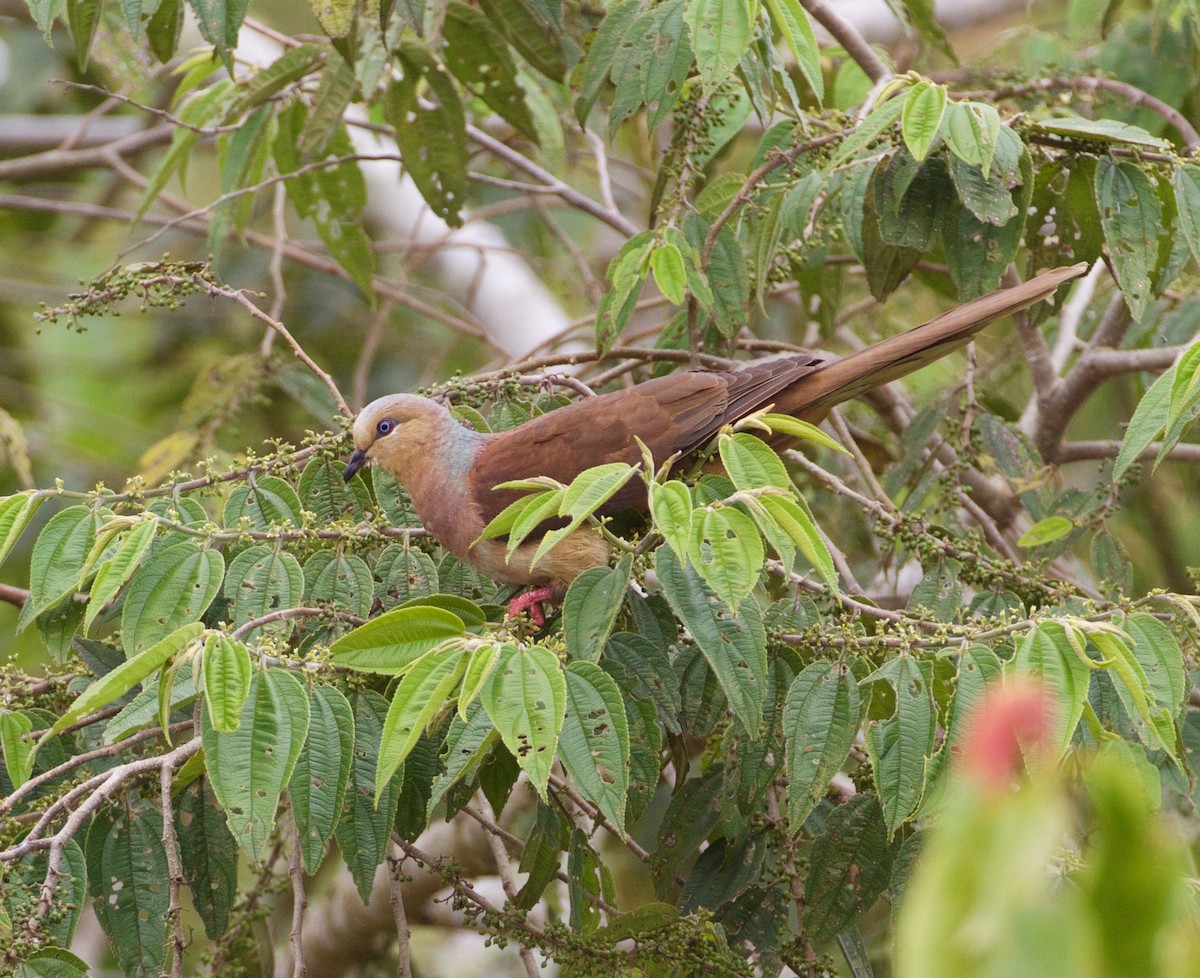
(450, 471)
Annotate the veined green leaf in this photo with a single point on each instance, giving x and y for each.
(15, 514)
(1131, 215)
(1046, 531)
(971, 130)
(18, 748)
(115, 572)
(1101, 130)
(821, 715)
(594, 744)
(587, 492)
(799, 525)
(785, 424)
(727, 551)
(318, 785)
(425, 689)
(791, 21)
(666, 262)
(58, 554)
(250, 766)
(752, 463)
(721, 31)
(526, 697)
(898, 747)
(483, 661)
(1186, 182)
(175, 586)
(671, 507)
(390, 643)
(226, 671)
(921, 117)
(1045, 656)
(591, 606)
(121, 680)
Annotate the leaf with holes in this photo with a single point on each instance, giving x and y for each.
(727, 550)
(821, 715)
(250, 766)
(1131, 215)
(526, 697)
(260, 582)
(176, 586)
(594, 743)
(267, 503)
(318, 784)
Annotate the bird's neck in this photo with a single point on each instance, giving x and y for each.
(439, 491)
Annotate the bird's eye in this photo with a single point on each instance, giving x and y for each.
(384, 426)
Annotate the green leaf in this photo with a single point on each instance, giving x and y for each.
(390, 643)
(266, 504)
(542, 506)
(483, 660)
(209, 855)
(431, 135)
(250, 766)
(45, 13)
(971, 130)
(602, 56)
(335, 16)
(219, 21)
(121, 680)
(18, 747)
(51, 962)
(479, 58)
(1186, 181)
(591, 606)
(83, 16)
(535, 29)
(404, 575)
(127, 874)
(666, 262)
(671, 507)
(727, 550)
(364, 829)
(260, 581)
(594, 744)
(795, 521)
(821, 715)
(343, 580)
(15, 514)
(899, 745)
(424, 691)
(790, 20)
(318, 786)
(176, 586)
(1149, 418)
(226, 671)
(785, 424)
(734, 647)
(325, 493)
(164, 28)
(259, 86)
(1132, 218)
(1159, 654)
(58, 555)
(468, 744)
(922, 117)
(1046, 531)
(752, 463)
(849, 866)
(526, 697)
(721, 31)
(651, 67)
(588, 491)
(626, 271)
(1101, 130)
(115, 572)
(730, 284)
(1045, 657)
(881, 117)
(989, 199)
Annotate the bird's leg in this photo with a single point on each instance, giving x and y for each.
(531, 601)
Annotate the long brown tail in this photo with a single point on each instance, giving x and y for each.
(813, 395)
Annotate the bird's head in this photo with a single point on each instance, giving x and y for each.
(393, 429)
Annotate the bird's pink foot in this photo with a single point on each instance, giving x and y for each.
(531, 601)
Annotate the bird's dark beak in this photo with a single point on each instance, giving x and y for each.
(358, 458)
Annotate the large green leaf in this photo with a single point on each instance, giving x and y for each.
(269, 502)
(127, 876)
(250, 766)
(425, 689)
(431, 135)
(1186, 182)
(344, 580)
(591, 606)
(121, 680)
(58, 556)
(526, 697)
(721, 31)
(1131, 214)
(652, 65)
(390, 643)
(791, 21)
(328, 496)
(921, 117)
(364, 828)
(899, 745)
(115, 572)
(174, 587)
(821, 715)
(594, 744)
(15, 514)
(727, 551)
(849, 866)
(734, 647)
(261, 581)
(209, 855)
(318, 785)
(1045, 657)
(478, 56)
(226, 671)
